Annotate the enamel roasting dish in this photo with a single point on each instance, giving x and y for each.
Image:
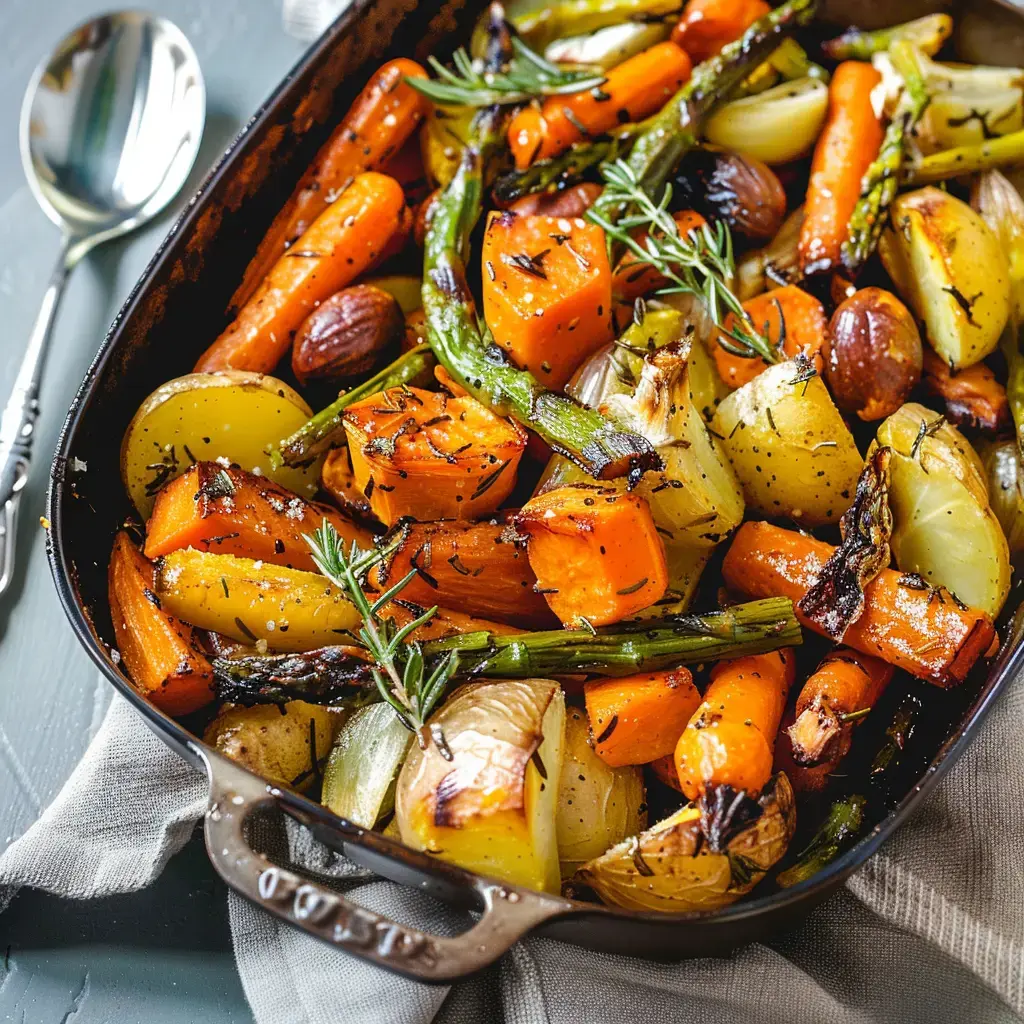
(189, 283)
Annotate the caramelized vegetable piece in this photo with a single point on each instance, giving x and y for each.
(384, 115)
(904, 623)
(973, 396)
(790, 318)
(159, 651)
(846, 684)
(480, 568)
(630, 281)
(708, 25)
(426, 455)
(639, 718)
(846, 147)
(570, 202)
(730, 739)
(343, 242)
(596, 553)
(547, 292)
(664, 770)
(234, 512)
(339, 481)
(636, 88)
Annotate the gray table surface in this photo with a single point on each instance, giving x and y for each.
(163, 955)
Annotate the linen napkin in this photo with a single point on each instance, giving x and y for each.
(930, 930)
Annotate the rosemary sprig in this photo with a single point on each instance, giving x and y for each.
(700, 264)
(527, 76)
(399, 669)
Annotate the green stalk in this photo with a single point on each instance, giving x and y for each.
(878, 187)
(927, 33)
(842, 824)
(326, 430)
(333, 676)
(470, 356)
(677, 128)
(1004, 151)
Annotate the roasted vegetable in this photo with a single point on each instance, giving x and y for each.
(569, 202)
(480, 568)
(778, 263)
(288, 609)
(972, 397)
(598, 806)
(339, 480)
(842, 824)
(489, 804)
(547, 292)
(285, 745)
(944, 529)
(160, 652)
(233, 512)
(362, 770)
(442, 138)
(708, 25)
(777, 126)
(845, 149)
(948, 265)
(343, 242)
(790, 448)
(630, 92)
(873, 354)
(634, 277)
(637, 719)
(1006, 490)
(672, 868)
(540, 24)
(904, 621)
(232, 418)
(422, 454)
(608, 47)
(596, 553)
(730, 738)
(927, 34)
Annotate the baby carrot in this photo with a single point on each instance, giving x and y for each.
(708, 25)
(632, 279)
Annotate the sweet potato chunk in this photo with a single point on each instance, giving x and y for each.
(428, 455)
(596, 553)
(547, 291)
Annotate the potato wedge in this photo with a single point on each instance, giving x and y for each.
(491, 808)
(944, 528)
(230, 415)
(948, 265)
(1006, 490)
(671, 867)
(789, 446)
(290, 609)
(285, 745)
(598, 806)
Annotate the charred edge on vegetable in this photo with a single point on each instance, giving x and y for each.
(724, 812)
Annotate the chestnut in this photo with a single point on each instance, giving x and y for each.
(873, 354)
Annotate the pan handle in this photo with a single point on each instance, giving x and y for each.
(507, 913)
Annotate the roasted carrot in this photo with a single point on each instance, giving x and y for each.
(547, 290)
(973, 396)
(804, 778)
(791, 319)
(339, 480)
(664, 770)
(570, 202)
(345, 240)
(160, 652)
(926, 632)
(848, 144)
(708, 25)
(846, 683)
(630, 281)
(445, 622)
(638, 719)
(730, 738)
(430, 456)
(383, 117)
(233, 512)
(480, 568)
(406, 167)
(596, 553)
(633, 90)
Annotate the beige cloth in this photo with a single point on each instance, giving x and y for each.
(930, 931)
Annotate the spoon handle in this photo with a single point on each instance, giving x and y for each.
(17, 425)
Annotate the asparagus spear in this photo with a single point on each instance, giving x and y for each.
(878, 188)
(674, 131)
(1004, 151)
(325, 429)
(927, 33)
(337, 675)
(843, 822)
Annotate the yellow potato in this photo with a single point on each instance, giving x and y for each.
(491, 808)
(948, 265)
(290, 609)
(789, 446)
(442, 139)
(276, 745)
(230, 415)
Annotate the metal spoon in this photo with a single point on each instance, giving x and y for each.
(110, 128)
